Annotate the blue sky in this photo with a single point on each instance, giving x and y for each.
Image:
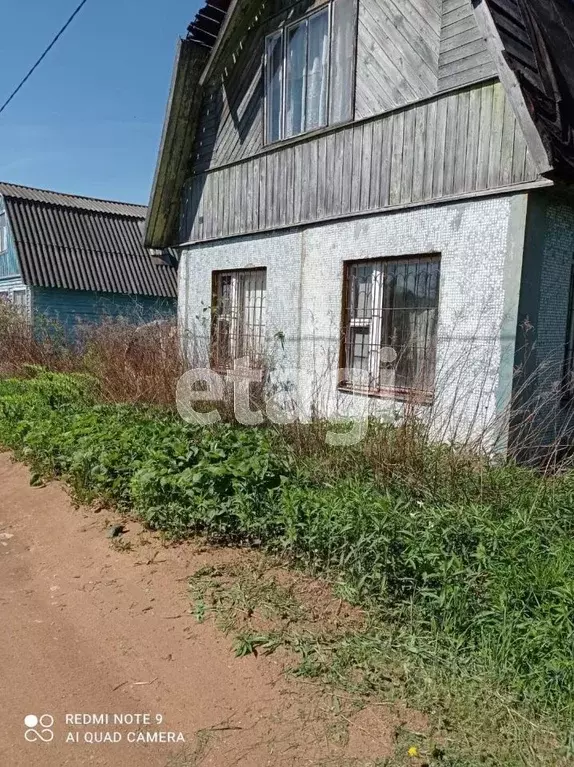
(89, 120)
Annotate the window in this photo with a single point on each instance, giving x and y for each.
(239, 317)
(390, 324)
(19, 301)
(3, 233)
(17, 298)
(309, 69)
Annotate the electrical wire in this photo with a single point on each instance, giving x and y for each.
(43, 56)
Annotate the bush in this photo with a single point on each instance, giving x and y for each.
(132, 360)
(483, 576)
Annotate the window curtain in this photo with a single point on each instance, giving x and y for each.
(317, 71)
(274, 86)
(251, 298)
(342, 60)
(295, 84)
(419, 352)
(411, 297)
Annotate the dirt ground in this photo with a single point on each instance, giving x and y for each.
(90, 629)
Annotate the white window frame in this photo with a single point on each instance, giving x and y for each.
(284, 34)
(9, 295)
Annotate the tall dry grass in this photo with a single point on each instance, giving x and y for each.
(138, 362)
(142, 362)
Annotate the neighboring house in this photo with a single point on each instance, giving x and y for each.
(77, 259)
(379, 186)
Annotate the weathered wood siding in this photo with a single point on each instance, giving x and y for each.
(397, 53)
(464, 58)
(459, 143)
(72, 307)
(407, 50)
(509, 20)
(231, 122)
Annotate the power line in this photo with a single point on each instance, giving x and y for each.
(43, 56)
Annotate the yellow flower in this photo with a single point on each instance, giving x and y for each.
(413, 751)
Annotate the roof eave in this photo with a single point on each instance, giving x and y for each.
(176, 145)
(226, 27)
(538, 151)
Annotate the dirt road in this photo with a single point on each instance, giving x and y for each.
(89, 630)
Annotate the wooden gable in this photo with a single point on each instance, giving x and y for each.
(438, 112)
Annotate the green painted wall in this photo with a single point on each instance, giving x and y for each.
(70, 307)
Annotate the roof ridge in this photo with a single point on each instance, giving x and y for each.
(71, 194)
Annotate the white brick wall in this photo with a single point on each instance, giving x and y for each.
(480, 243)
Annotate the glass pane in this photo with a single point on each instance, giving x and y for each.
(274, 85)
(410, 309)
(295, 86)
(361, 292)
(222, 329)
(317, 70)
(252, 315)
(342, 60)
(359, 349)
(225, 295)
(239, 329)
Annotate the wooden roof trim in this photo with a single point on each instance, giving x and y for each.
(226, 27)
(512, 87)
(180, 125)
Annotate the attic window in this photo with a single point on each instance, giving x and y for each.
(309, 68)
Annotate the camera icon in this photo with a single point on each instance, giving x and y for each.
(39, 728)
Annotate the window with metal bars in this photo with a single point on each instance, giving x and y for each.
(390, 325)
(238, 329)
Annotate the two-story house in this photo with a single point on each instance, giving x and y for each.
(377, 191)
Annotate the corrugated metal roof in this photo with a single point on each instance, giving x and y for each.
(72, 200)
(80, 243)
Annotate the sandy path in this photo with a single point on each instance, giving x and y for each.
(88, 629)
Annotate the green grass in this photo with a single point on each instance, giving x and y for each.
(471, 721)
(467, 570)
